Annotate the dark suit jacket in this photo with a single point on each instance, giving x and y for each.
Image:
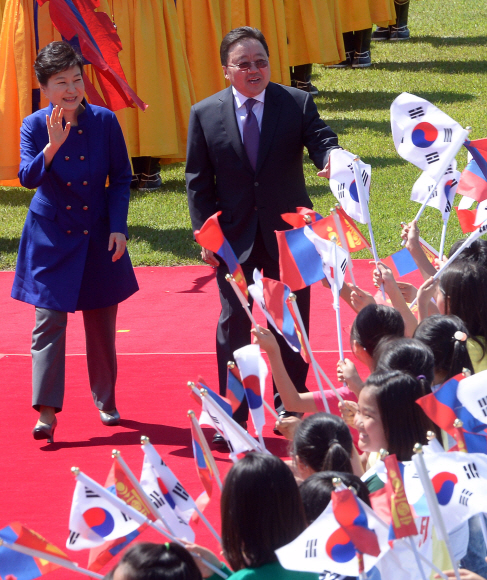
(219, 176)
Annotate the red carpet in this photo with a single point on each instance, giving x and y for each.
(166, 336)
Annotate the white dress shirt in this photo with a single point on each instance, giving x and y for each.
(241, 109)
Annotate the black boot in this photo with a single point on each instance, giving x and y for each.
(150, 177)
(349, 42)
(381, 33)
(300, 78)
(361, 58)
(400, 30)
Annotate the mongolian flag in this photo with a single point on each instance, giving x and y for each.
(271, 296)
(355, 238)
(211, 237)
(21, 566)
(401, 263)
(473, 181)
(459, 398)
(402, 519)
(302, 217)
(203, 466)
(353, 520)
(253, 371)
(235, 389)
(467, 218)
(224, 402)
(95, 36)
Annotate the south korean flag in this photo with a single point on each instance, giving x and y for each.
(442, 198)
(94, 521)
(343, 185)
(422, 134)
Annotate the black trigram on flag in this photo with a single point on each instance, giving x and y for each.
(125, 517)
(350, 166)
(447, 206)
(465, 496)
(73, 537)
(435, 192)
(179, 490)
(311, 548)
(454, 182)
(90, 493)
(343, 266)
(432, 158)
(417, 112)
(448, 135)
(157, 499)
(482, 403)
(449, 170)
(471, 471)
(341, 190)
(365, 177)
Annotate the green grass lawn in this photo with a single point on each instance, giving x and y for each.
(444, 62)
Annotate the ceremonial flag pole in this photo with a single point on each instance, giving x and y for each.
(330, 384)
(343, 241)
(443, 238)
(206, 448)
(132, 512)
(154, 458)
(432, 500)
(482, 229)
(336, 300)
(365, 212)
(241, 297)
(50, 558)
(447, 159)
(314, 364)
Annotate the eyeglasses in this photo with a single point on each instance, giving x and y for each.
(245, 66)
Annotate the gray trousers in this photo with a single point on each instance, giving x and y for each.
(48, 356)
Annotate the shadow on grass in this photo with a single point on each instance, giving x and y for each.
(9, 245)
(170, 186)
(178, 241)
(374, 100)
(438, 41)
(439, 66)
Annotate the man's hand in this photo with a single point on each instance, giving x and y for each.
(120, 242)
(325, 172)
(209, 257)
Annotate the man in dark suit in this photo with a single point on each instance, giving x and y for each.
(245, 159)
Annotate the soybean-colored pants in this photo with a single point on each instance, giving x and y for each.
(49, 350)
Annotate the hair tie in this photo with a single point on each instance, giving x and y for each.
(167, 545)
(333, 441)
(419, 377)
(459, 335)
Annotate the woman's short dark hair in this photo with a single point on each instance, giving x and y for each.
(408, 355)
(54, 58)
(403, 420)
(316, 491)
(438, 332)
(476, 252)
(324, 442)
(146, 561)
(373, 323)
(261, 510)
(463, 285)
(237, 35)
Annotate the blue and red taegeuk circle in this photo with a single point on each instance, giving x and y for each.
(100, 521)
(424, 135)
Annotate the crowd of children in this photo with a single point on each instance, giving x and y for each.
(266, 503)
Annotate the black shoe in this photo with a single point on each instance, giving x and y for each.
(362, 59)
(400, 33)
(45, 431)
(110, 418)
(345, 63)
(283, 415)
(381, 33)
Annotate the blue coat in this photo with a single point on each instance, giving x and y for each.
(63, 261)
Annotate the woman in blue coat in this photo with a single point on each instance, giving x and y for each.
(72, 253)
